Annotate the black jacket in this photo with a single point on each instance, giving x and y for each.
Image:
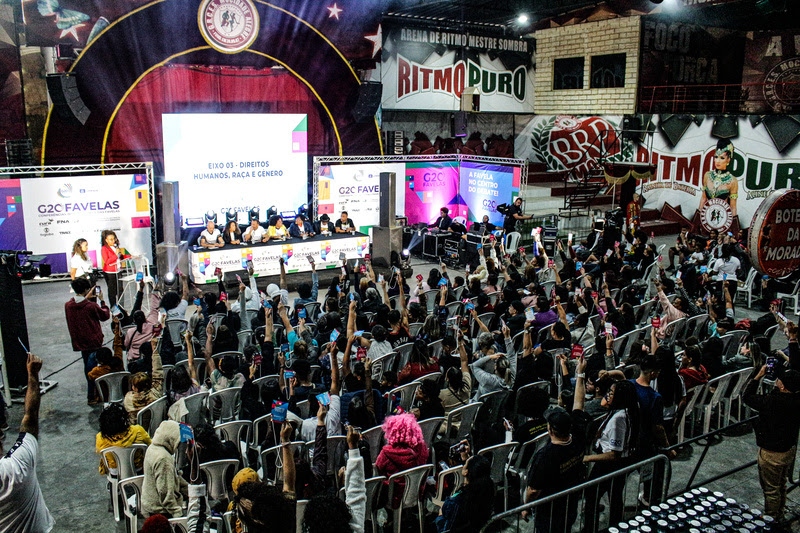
(778, 417)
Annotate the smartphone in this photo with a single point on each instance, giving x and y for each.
(116, 311)
(458, 448)
(609, 328)
(249, 263)
(771, 370)
(301, 313)
(197, 302)
(479, 246)
(724, 276)
(551, 263)
(569, 239)
(139, 276)
(334, 335)
(257, 358)
(678, 274)
(342, 256)
(380, 278)
(311, 259)
(579, 292)
(609, 252)
(267, 304)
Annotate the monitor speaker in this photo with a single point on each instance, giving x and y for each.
(366, 101)
(230, 281)
(67, 103)
(632, 128)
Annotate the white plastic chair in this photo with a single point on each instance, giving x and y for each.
(151, 416)
(745, 287)
(793, 296)
(430, 429)
(300, 513)
(512, 241)
(197, 407)
(218, 479)
(237, 432)
(435, 349)
(131, 491)
(177, 326)
(110, 387)
(464, 416)
(432, 297)
(381, 364)
(374, 437)
(124, 457)
(521, 461)
(225, 404)
(413, 479)
(403, 354)
(413, 329)
(738, 383)
(274, 455)
(457, 474)
(717, 388)
(304, 407)
(406, 393)
(500, 457)
(687, 417)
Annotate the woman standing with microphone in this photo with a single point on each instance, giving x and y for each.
(112, 254)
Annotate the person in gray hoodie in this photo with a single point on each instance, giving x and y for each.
(163, 489)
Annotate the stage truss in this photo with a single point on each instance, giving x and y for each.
(344, 160)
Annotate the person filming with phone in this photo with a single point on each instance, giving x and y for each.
(84, 316)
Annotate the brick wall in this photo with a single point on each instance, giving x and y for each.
(611, 36)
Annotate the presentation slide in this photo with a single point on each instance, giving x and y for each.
(482, 187)
(236, 161)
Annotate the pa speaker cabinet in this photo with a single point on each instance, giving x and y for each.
(367, 101)
(384, 242)
(63, 90)
(170, 211)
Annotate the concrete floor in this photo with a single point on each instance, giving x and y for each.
(76, 494)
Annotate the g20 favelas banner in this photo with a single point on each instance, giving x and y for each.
(429, 187)
(47, 215)
(482, 187)
(429, 69)
(684, 175)
(356, 189)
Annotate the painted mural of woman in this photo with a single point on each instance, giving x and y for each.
(719, 182)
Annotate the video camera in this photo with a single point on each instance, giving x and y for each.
(503, 209)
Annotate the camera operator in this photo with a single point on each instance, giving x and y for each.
(514, 213)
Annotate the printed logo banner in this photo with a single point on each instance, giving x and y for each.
(771, 71)
(56, 212)
(430, 69)
(429, 187)
(356, 189)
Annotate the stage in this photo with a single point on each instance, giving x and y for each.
(325, 250)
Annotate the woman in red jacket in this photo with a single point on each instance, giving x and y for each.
(112, 254)
(405, 448)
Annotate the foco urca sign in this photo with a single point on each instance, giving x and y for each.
(774, 241)
(428, 69)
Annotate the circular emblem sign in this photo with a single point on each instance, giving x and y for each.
(774, 240)
(229, 26)
(716, 214)
(781, 87)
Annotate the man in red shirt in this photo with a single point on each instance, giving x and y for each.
(84, 316)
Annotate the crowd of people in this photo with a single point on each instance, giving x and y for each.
(337, 366)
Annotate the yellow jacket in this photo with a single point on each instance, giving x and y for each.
(134, 435)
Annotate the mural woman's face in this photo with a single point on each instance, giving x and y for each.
(721, 161)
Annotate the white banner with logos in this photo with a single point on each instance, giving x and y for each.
(59, 211)
(356, 189)
(429, 70)
(265, 257)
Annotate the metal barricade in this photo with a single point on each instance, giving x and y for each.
(584, 508)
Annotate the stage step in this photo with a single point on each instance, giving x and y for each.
(660, 227)
(648, 215)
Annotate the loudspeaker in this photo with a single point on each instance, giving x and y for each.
(386, 206)
(14, 325)
(460, 124)
(45, 270)
(631, 128)
(19, 153)
(367, 101)
(170, 212)
(393, 142)
(231, 283)
(67, 102)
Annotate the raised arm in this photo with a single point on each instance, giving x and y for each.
(30, 417)
(157, 378)
(210, 366)
(335, 382)
(190, 352)
(288, 459)
(580, 385)
(562, 315)
(283, 275)
(351, 319)
(346, 358)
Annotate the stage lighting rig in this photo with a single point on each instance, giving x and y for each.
(271, 212)
(253, 214)
(303, 211)
(231, 216)
(210, 216)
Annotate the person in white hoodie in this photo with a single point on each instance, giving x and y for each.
(163, 489)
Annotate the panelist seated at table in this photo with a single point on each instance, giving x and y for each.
(482, 228)
(276, 230)
(255, 233)
(344, 224)
(443, 222)
(211, 237)
(301, 228)
(324, 226)
(232, 233)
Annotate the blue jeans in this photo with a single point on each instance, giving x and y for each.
(89, 362)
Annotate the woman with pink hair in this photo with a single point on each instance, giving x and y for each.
(405, 448)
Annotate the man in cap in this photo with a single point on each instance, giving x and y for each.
(559, 466)
(776, 434)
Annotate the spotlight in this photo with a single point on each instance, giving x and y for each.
(522, 18)
(406, 253)
(271, 212)
(231, 216)
(253, 214)
(169, 278)
(303, 210)
(210, 216)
